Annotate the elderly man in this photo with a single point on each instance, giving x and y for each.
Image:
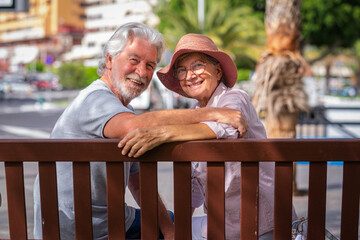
(102, 110)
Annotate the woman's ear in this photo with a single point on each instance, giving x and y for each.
(219, 72)
(108, 61)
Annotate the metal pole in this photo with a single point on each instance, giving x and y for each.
(201, 14)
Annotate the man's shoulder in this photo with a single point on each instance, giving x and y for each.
(96, 90)
(94, 86)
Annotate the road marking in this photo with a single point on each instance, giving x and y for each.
(25, 132)
(29, 108)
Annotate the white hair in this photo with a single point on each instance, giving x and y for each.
(126, 33)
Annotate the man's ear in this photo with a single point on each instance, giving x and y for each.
(108, 61)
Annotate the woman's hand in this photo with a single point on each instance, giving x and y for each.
(233, 118)
(141, 140)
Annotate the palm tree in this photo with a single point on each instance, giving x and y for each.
(279, 93)
(235, 30)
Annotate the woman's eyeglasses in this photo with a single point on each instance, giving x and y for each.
(196, 68)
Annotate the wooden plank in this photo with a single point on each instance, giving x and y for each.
(317, 200)
(49, 200)
(149, 201)
(249, 201)
(350, 201)
(82, 200)
(279, 150)
(115, 200)
(210, 150)
(215, 200)
(182, 200)
(283, 200)
(14, 174)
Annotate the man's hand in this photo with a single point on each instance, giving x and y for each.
(141, 140)
(233, 118)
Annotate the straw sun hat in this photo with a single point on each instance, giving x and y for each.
(197, 43)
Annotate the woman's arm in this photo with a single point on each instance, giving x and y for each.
(123, 123)
(141, 140)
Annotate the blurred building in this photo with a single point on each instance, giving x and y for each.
(102, 19)
(48, 29)
(65, 30)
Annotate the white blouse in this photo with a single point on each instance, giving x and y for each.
(236, 99)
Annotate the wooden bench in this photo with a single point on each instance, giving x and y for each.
(284, 152)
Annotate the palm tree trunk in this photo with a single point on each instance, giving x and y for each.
(284, 126)
(279, 90)
(279, 93)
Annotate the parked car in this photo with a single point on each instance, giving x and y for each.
(44, 81)
(14, 83)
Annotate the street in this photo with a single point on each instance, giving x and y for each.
(24, 118)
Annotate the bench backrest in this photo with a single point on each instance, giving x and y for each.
(215, 152)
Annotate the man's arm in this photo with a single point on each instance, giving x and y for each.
(123, 123)
(165, 223)
(141, 140)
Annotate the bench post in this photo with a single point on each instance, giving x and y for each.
(149, 201)
(182, 200)
(215, 201)
(16, 200)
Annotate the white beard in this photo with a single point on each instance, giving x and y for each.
(130, 92)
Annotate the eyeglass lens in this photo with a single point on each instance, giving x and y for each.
(197, 68)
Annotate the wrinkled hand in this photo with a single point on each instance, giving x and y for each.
(234, 118)
(141, 140)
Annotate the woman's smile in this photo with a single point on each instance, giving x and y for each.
(195, 84)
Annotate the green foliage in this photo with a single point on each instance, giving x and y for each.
(75, 75)
(235, 29)
(244, 74)
(37, 66)
(90, 75)
(243, 61)
(326, 22)
(257, 5)
(357, 49)
(355, 65)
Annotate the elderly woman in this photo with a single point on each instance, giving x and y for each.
(199, 70)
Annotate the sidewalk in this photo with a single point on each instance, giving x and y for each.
(165, 186)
